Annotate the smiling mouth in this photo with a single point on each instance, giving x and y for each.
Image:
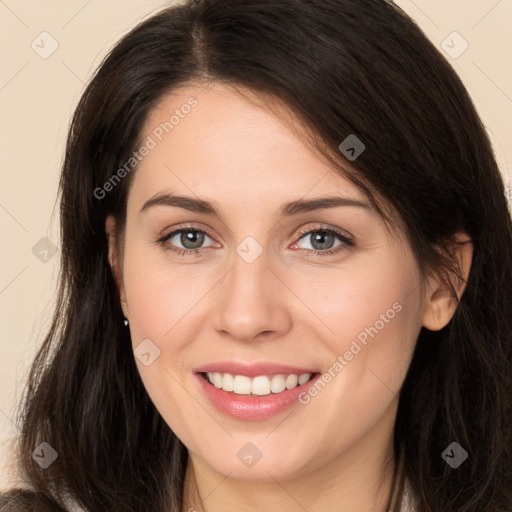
(260, 385)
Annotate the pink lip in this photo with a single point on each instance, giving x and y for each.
(250, 407)
(252, 370)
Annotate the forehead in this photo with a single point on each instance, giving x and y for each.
(215, 142)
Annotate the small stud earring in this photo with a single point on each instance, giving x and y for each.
(125, 322)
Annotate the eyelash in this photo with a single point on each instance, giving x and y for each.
(346, 241)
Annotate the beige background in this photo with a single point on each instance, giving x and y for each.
(38, 95)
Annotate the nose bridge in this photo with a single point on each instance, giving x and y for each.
(252, 299)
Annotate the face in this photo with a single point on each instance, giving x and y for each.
(306, 313)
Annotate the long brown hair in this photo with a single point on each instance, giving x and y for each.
(342, 67)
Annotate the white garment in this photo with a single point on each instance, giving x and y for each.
(409, 500)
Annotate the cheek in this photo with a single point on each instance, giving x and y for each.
(373, 316)
(160, 304)
(160, 295)
(366, 300)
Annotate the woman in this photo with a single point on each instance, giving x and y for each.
(286, 274)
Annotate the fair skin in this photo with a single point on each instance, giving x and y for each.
(287, 306)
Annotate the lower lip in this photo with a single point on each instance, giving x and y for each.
(251, 407)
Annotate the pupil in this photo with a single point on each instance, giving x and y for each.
(195, 238)
(322, 240)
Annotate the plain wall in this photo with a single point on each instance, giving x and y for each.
(37, 98)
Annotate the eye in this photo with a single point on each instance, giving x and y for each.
(186, 240)
(189, 240)
(323, 241)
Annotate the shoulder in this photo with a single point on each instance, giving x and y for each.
(13, 500)
(24, 500)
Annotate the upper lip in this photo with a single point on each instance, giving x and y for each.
(252, 369)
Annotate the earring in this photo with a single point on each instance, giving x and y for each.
(125, 322)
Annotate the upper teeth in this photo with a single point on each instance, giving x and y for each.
(261, 385)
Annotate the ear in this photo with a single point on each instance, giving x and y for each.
(115, 260)
(440, 303)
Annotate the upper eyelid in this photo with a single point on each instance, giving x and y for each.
(168, 234)
(337, 231)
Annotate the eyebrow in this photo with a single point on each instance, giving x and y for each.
(287, 210)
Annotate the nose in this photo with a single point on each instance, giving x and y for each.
(251, 302)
